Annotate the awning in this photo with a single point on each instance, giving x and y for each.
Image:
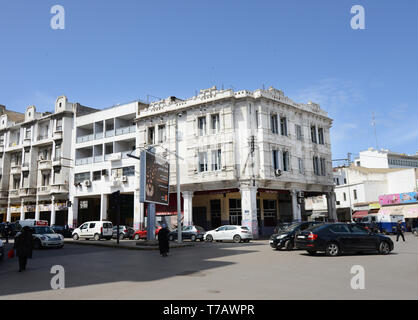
(408, 211)
(360, 214)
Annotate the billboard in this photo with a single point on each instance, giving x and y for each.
(403, 198)
(154, 179)
(411, 197)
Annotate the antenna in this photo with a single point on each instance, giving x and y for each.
(375, 132)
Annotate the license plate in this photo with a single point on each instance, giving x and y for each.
(301, 237)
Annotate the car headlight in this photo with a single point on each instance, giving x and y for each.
(281, 236)
(62, 237)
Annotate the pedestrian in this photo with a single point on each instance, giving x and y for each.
(7, 231)
(399, 231)
(23, 245)
(163, 240)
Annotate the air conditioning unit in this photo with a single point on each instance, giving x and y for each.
(278, 173)
(124, 179)
(87, 183)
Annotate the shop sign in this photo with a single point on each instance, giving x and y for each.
(411, 197)
(61, 206)
(44, 207)
(374, 206)
(390, 199)
(29, 208)
(15, 209)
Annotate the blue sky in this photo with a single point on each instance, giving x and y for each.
(117, 51)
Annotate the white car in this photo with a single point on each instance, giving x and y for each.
(43, 235)
(229, 233)
(96, 230)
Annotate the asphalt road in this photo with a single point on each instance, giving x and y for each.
(212, 271)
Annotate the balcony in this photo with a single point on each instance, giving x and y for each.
(58, 135)
(83, 161)
(14, 193)
(42, 137)
(16, 169)
(59, 188)
(98, 159)
(86, 138)
(27, 192)
(110, 133)
(13, 144)
(45, 165)
(113, 157)
(57, 162)
(125, 130)
(44, 190)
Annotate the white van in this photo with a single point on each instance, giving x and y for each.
(96, 230)
(43, 235)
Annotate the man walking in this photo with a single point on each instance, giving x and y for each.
(23, 245)
(399, 231)
(163, 240)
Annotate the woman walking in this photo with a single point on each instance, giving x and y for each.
(24, 245)
(163, 240)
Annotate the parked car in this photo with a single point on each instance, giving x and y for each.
(142, 234)
(193, 233)
(64, 230)
(1, 250)
(125, 232)
(96, 230)
(229, 233)
(286, 237)
(337, 238)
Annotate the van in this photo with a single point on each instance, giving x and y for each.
(96, 230)
(386, 223)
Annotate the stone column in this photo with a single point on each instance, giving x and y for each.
(37, 211)
(249, 209)
(103, 207)
(22, 210)
(188, 208)
(296, 209)
(332, 209)
(53, 213)
(73, 213)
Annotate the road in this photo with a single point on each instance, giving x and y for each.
(212, 271)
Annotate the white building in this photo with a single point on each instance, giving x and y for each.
(248, 155)
(385, 159)
(35, 151)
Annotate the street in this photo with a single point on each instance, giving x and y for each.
(211, 271)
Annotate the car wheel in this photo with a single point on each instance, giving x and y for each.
(171, 238)
(193, 238)
(121, 236)
(289, 245)
(384, 248)
(237, 239)
(137, 237)
(311, 253)
(332, 249)
(76, 237)
(209, 238)
(37, 245)
(97, 237)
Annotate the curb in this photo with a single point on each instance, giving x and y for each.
(115, 246)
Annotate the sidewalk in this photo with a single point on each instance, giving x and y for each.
(127, 244)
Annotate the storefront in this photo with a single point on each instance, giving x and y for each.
(405, 204)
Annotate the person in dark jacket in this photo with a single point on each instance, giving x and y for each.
(7, 230)
(23, 245)
(399, 231)
(163, 240)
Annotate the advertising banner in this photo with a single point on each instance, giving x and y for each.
(411, 197)
(154, 179)
(390, 199)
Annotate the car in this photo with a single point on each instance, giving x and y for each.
(64, 230)
(142, 234)
(236, 234)
(193, 233)
(96, 230)
(43, 235)
(337, 238)
(1, 250)
(125, 232)
(12, 229)
(286, 237)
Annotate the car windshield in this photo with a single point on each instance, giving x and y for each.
(291, 227)
(43, 230)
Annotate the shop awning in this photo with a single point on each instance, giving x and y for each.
(360, 214)
(408, 211)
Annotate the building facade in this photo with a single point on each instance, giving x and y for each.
(385, 159)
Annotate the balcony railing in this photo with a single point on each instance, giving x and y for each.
(84, 161)
(98, 159)
(24, 192)
(125, 130)
(99, 135)
(16, 169)
(44, 189)
(113, 157)
(85, 138)
(110, 133)
(14, 193)
(13, 144)
(42, 137)
(59, 188)
(45, 165)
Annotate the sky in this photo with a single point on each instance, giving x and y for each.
(114, 52)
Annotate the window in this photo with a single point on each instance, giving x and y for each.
(128, 171)
(202, 126)
(300, 163)
(46, 177)
(57, 152)
(276, 164)
(270, 213)
(274, 128)
(25, 179)
(283, 126)
(16, 183)
(256, 119)
(203, 161)
(313, 134)
(357, 229)
(321, 136)
(339, 228)
(299, 132)
(345, 196)
(286, 161)
(28, 133)
(97, 175)
(215, 123)
(355, 194)
(59, 125)
(162, 137)
(117, 173)
(323, 167)
(316, 165)
(151, 135)
(235, 212)
(92, 225)
(81, 177)
(57, 176)
(215, 213)
(216, 160)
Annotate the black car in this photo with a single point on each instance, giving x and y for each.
(286, 237)
(336, 238)
(64, 230)
(188, 232)
(125, 232)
